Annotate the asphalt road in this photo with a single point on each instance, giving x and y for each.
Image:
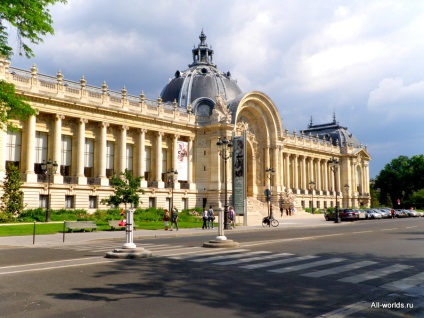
(340, 270)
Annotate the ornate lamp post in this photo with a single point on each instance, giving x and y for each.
(312, 186)
(334, 165)
(269, 173)
(224, 150)
(49, 169)
(172, 175)
(346, 186)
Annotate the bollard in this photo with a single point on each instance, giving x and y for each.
(63, 240)
(33, 235)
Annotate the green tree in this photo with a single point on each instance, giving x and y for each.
(417, 199)
(401, 177)
(12, 106)
(13, 197)
(30, 18)
(374, 198)
(388, 203)
(126, 190)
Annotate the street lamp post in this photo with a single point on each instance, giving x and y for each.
(270, 172)
(312, 186)
(346, 186)
(224, 150)
(334, 164)
(49, 169)
(172, 174)
(403, 195)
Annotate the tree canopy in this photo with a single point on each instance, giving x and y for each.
(126, 190)
(30, 18)
(400, 179)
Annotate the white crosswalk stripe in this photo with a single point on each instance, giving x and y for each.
(277, 262)
(374, 274)
(202, 251)
(308, 265)
(220, 257)
(405, 283)
(340, 269)
(251, 259)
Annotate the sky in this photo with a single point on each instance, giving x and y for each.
(360, 60)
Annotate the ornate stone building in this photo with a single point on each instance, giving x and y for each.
(93, 133)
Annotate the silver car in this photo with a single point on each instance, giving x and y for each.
(372, 214)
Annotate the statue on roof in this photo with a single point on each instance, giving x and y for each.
(221, 113)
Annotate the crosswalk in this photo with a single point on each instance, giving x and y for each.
(312, 266)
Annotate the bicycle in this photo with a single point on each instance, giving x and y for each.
(269, 220)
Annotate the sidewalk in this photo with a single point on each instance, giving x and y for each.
(120, 235)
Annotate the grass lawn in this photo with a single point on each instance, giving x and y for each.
(16, 229)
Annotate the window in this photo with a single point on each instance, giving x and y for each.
(129, 157)
(66, 156)
(168, 203)
(41, 144)
(110, 157)
(13, 148)
(92, 202)
(43, 201)
(69, 202)
(358, 179)
(184, 204)
(89, 158)
(152, 202)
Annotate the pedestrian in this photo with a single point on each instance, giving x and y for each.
(392, 214)
(281, 210)
(292, 211)
(211, 218)
(174, 219)
(204, 218)
(287, 211)
(165, 219)
(232, 217)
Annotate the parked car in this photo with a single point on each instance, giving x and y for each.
(361, 214)
(400, 214)
(349, 214)
(386, 213)
(411, 213)
(373, 214)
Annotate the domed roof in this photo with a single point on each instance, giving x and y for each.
(339, 135)
(202, 82)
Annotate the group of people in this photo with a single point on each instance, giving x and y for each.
(289, 211)
(174, 219)
(208, 218)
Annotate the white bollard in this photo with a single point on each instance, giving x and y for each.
(129, 228)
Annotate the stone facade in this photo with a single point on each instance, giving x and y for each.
(93, 133)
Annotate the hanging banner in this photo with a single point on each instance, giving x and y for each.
(239, 174)
(182, 162)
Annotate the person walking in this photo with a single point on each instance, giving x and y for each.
(281, 210)
(211, 217)
(232, 217)
(204, 218)
(174, 219)
(165, 219)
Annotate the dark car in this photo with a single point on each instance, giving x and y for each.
(349, 214)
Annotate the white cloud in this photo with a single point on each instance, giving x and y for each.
(393, 99)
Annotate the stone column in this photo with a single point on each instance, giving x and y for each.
(175, 158)
(287, 159)
(190, 163)
(81, 149)
(123, 149)
(102, 144)
(325, 166)
(141, 160)
(159, 171)
(319, 171)
(296, 171)
(58, 178)
(303, 185)
(30, 150)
